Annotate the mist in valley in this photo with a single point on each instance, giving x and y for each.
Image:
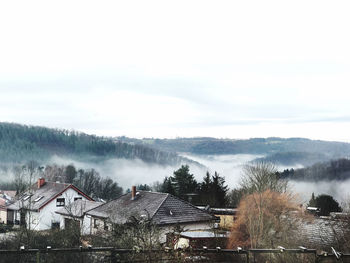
(128, 172)
(340, 190)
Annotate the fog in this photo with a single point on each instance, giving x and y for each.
(229, 166)
(133, 172)
(340, 190)
(130, 172)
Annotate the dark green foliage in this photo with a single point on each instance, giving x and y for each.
(167, 186)
(213, 191)
(332, 170)
(295, 158)
(312, 201)
(70, 173)
(234, 197)
(143, 187)
(184, 182)
(272, 145)
(327, 204)
(20, 143)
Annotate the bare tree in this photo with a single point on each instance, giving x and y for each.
(260, 177)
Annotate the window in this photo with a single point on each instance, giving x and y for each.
(26, 197)
(60, 202)
(55, 225)
(95, 223)
(38, 198)
(77, 198)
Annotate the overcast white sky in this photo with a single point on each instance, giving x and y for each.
(235, 69)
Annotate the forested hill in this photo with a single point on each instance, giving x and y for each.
(19, 143)
(325, 171)
(270, 145)
(292, 147)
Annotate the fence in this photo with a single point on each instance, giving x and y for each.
(112, 255)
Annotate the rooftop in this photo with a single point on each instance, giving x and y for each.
(37, 197)
(161, 208)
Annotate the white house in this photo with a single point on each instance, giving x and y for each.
(36, 208)
(75, 214)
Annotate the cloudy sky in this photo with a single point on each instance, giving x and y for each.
(235, 69)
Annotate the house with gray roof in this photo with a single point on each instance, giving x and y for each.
(36, 208)
(164, 210)
(75, 214)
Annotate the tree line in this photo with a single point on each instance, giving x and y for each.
(87, 180)
(326, 171)
(22, 143)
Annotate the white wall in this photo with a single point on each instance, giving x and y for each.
(164, 230)
(43, 219)
(85, 223)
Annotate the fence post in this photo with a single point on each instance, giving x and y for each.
(38, 257)
(113, 257)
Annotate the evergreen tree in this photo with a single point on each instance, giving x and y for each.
(167, 186)
(312, 201)
(184, 182)
(213, 190)
(70, 174)
(327, 204)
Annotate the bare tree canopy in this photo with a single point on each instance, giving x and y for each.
(260, 177)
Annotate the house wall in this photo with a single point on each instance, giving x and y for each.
(85, 223)
(185, 227)
(164, 230)
(97, 225)
(43, 219)
(3, 215)
(226, 221)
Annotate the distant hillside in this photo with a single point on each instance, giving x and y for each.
(326, 171)
(284, 151)
(295, 158)
(19, 143)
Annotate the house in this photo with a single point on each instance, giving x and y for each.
(164, 210)
(6, 198)
(198, 239)
(227, 215)
(75, 214)
(36, 207)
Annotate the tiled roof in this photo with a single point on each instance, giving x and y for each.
(322, 232)
(174, 210)
(35, 197)
(78, 208)
(162, 208)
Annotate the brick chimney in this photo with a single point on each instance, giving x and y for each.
(41, 182)
(133, 192)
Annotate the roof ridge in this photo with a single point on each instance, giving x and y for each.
(108, 202)
(190, 204)
(166, 197)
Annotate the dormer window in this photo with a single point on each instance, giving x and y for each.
(26, 197)
(38, 198)
(60, 202)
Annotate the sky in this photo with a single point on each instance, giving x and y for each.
(226, 69)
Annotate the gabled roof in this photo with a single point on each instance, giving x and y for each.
(161, 208)
(78, 208)
(36, 198)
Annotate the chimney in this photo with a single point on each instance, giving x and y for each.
(41, 182)
(133, 192)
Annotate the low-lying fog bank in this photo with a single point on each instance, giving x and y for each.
(340, 190)
(133, 172)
